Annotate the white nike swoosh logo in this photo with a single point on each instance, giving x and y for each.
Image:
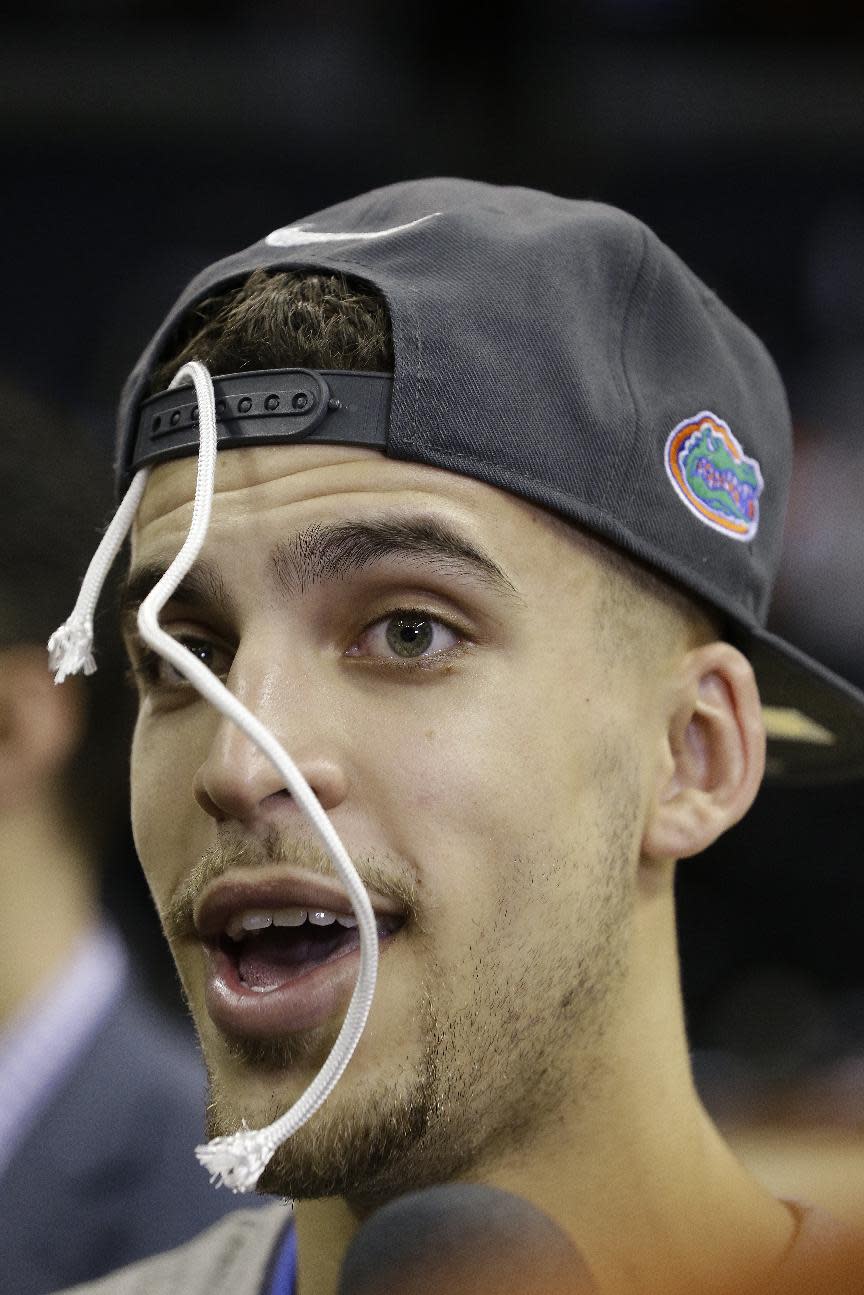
(297, 235)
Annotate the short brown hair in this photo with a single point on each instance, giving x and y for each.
(284, 320)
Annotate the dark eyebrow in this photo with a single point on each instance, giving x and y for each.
(326, 552)
(331, 552)
(202, 588)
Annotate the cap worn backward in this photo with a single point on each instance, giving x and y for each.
(559, 350)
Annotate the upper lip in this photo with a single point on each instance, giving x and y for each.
(285, 888)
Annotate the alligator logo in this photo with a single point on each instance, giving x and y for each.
(713, 475)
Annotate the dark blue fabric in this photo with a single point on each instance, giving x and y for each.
(284, 1272)
(108, 1175)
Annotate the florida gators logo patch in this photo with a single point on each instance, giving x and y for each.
(713, 475)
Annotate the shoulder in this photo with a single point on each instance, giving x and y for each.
(232, 1256)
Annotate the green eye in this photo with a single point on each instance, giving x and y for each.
(409, 636)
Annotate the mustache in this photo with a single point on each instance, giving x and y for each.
(233, 851)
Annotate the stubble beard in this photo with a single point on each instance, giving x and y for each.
(492, 1072)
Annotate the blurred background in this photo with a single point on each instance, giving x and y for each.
(140, 140)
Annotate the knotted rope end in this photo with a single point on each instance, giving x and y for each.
(237, 1160)
(70, 649)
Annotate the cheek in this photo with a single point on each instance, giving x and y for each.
(162, 770)
(478, 779)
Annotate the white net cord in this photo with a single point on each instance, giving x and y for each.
(70, 648)
(238, 1159)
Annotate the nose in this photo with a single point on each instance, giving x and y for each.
(237, 782)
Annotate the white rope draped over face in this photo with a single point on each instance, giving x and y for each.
(238, 1159)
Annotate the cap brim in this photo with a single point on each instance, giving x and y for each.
(814, 719)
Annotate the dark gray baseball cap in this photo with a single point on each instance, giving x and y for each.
(559, 350)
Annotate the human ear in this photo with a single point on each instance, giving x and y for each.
(40, 723)
(713, 754)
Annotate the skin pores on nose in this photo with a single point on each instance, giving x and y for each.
(506, 816)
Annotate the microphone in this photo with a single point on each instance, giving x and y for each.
(463, 1239)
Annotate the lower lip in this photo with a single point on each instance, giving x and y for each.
(300, 1004)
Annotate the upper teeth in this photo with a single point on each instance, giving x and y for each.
(256, 919)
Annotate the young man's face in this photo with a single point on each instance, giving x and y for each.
(428, 651)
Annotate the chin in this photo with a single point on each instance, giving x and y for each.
(366, 1138)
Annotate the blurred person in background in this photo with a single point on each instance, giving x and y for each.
(99, 1096)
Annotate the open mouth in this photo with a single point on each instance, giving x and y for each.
(282, 950)
(271, 949)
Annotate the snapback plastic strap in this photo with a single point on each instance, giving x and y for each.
(270, 406)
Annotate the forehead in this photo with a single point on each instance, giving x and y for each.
(268, 493)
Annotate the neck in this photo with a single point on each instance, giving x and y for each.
(49, 901)
(637, 1175)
